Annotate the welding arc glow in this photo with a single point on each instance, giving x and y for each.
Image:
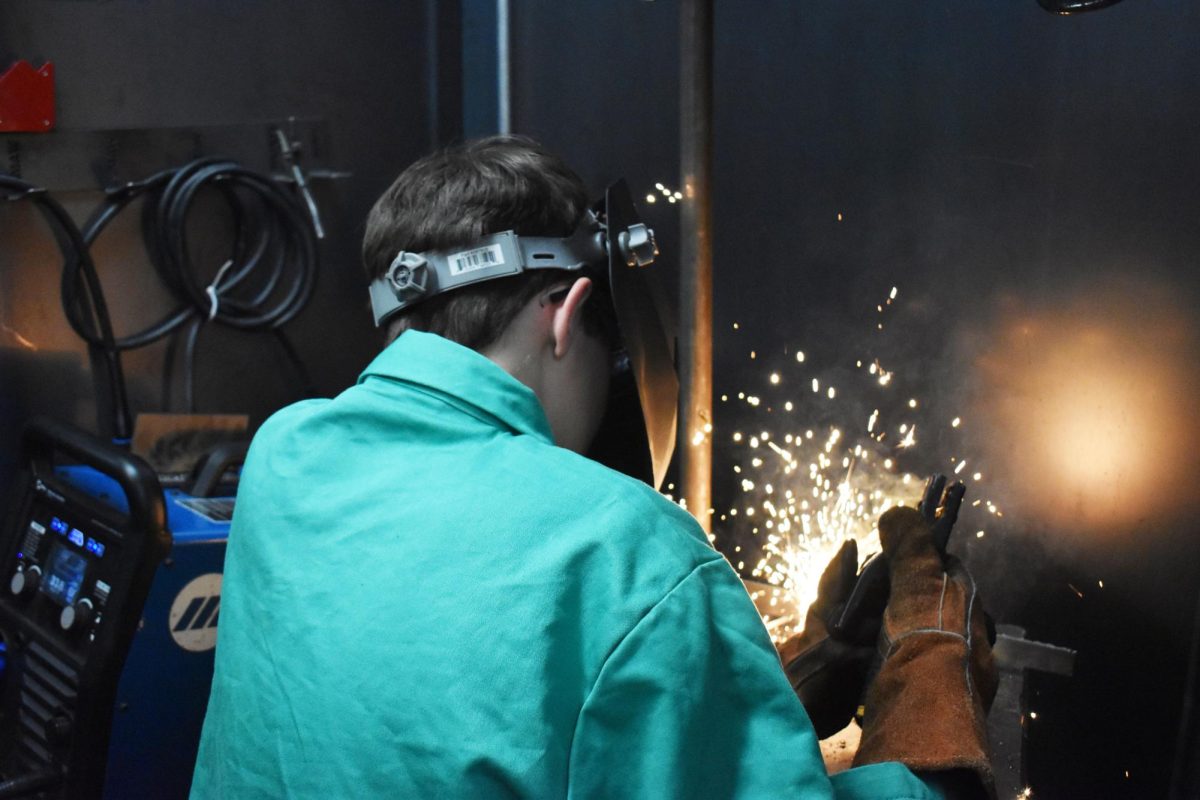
(1093, 403)
(816, 486)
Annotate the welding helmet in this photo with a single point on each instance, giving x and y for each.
(614, 248)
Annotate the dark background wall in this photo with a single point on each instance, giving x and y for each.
(146, 85)
(1027, 182)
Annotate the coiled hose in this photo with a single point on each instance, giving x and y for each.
(267, 279)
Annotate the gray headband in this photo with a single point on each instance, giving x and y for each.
(413, 277)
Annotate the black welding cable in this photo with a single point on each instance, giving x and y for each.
(190, 339)
(281, 223)
(272, 235)
(78, 268)
(269, 275)
(115, 201)
(168, 373)
(184, 339)
(261, 227)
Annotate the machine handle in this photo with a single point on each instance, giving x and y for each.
(213, 466)
(43, 437)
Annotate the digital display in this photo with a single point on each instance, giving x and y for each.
(95, 548)
(58, 526)
(64, 575)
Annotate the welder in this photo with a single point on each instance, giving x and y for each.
(431, 591)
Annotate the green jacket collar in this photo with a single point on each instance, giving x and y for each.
(465, 377)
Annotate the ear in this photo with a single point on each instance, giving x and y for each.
(564, 323)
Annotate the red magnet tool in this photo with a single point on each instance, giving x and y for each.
(27, 98)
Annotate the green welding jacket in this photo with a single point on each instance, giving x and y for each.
(424, 597)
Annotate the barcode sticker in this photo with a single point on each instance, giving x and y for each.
(479, 258)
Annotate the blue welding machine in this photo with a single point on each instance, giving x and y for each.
(164, 687)
(86, 545)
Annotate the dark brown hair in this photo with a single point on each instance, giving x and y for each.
(454, 196)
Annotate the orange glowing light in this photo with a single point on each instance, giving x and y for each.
(1091, 403)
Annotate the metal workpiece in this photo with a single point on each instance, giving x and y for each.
(695, 257)
(1014, 652)
(1006, 721)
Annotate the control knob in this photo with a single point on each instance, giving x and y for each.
(76, 617)
(25, 581)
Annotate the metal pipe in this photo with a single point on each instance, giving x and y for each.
(695, 269)
(503, 69)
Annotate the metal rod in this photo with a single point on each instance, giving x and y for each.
(695, 279)
(503, 72)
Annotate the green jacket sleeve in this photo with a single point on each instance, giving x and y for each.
(692, 703)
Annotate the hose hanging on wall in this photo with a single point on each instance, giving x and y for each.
(85, 302)
(267, 279)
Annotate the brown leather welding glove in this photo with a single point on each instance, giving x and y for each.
(927, 707)
(827, 663)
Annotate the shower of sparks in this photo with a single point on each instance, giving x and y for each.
(805, 489)
(669, 194)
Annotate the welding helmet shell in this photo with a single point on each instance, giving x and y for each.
(616, 249)
(637, 434)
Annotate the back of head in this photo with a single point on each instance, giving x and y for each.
(453, 197)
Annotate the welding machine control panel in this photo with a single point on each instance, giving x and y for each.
(74, 576)
(60, 573)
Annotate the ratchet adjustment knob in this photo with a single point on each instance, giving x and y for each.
(76, 617)
(25, 581)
